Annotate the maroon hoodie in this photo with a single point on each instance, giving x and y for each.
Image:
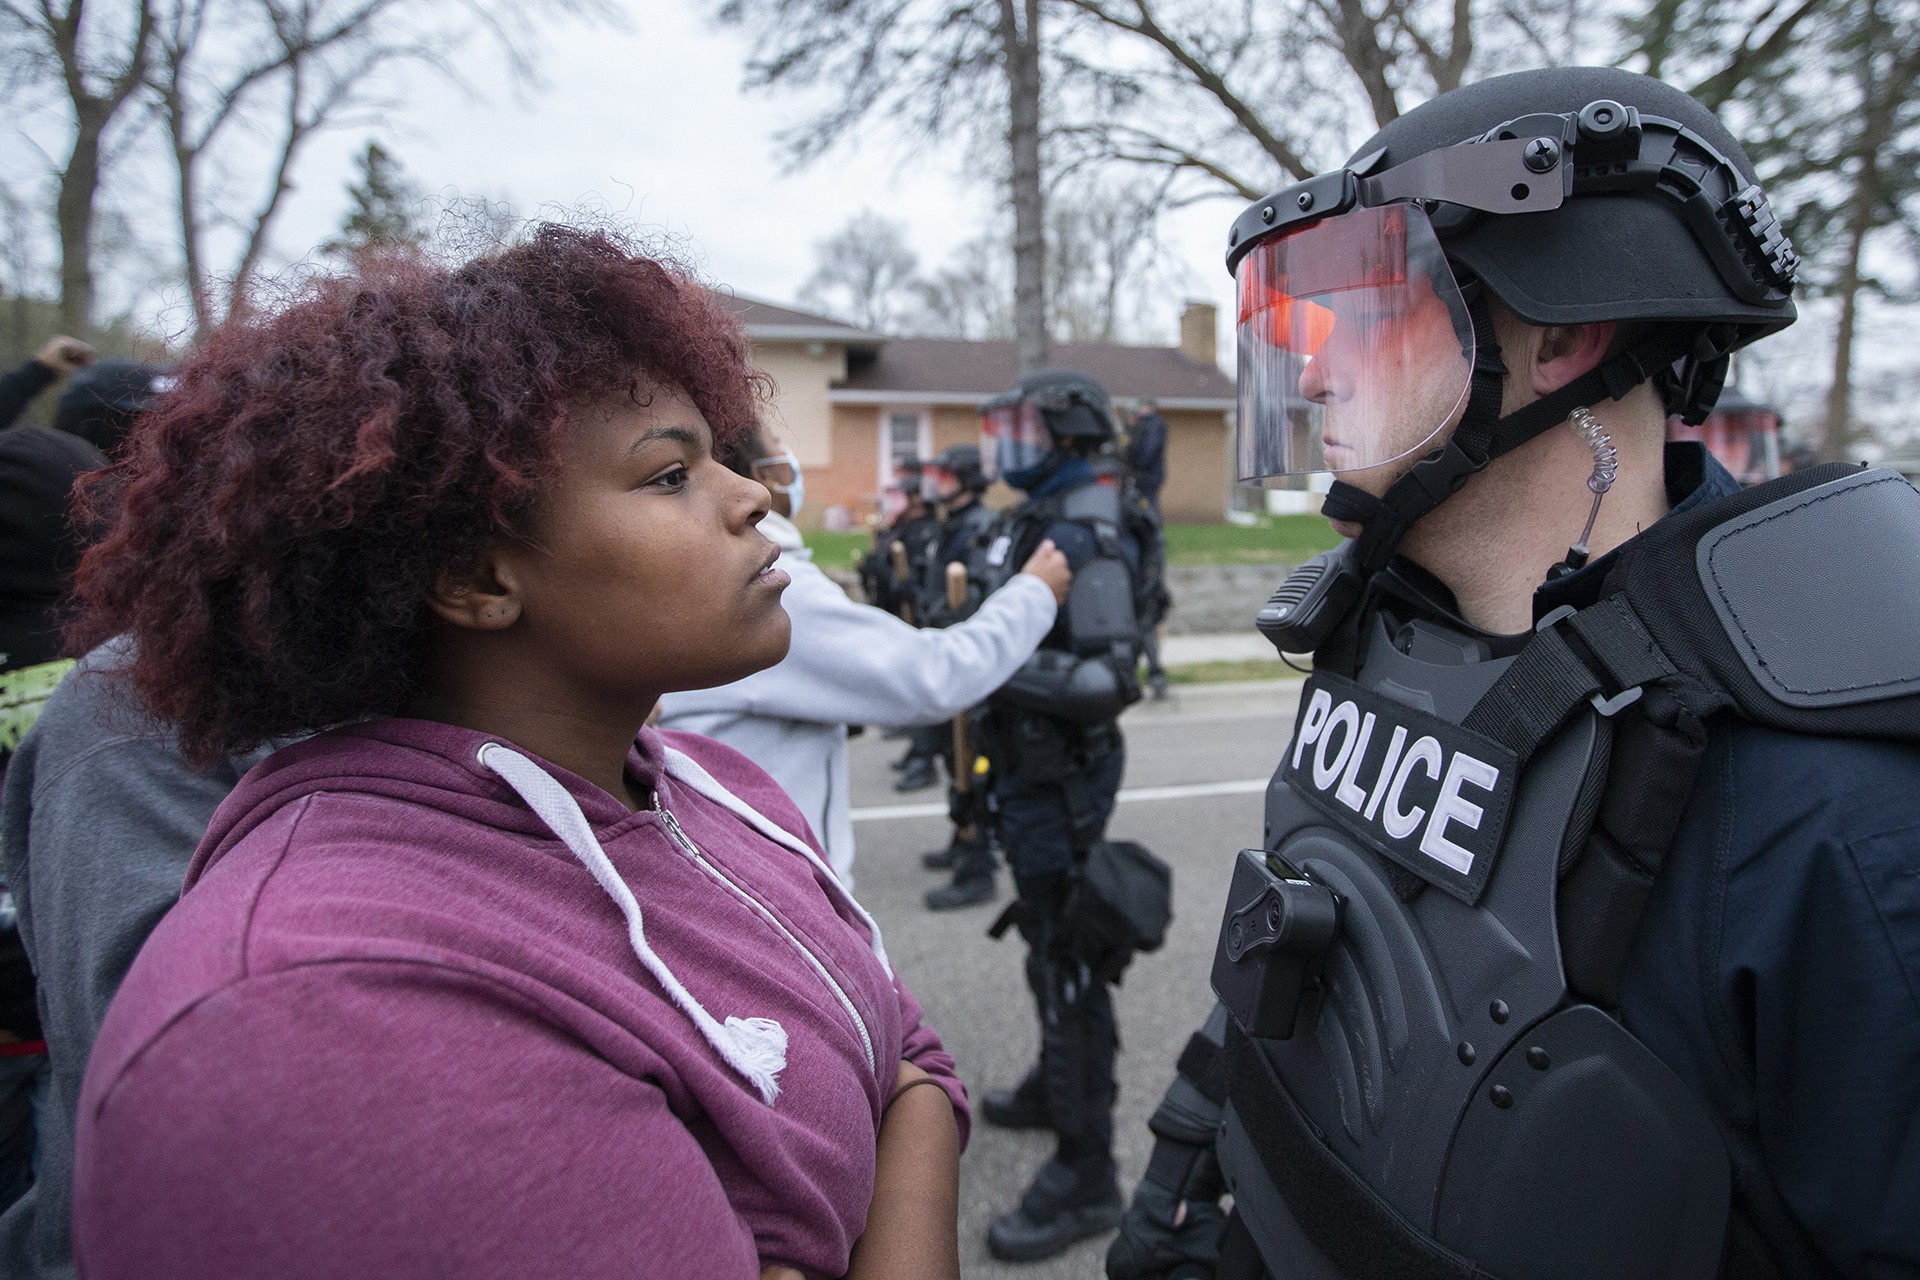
(401, 1025)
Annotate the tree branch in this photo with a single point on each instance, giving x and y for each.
(1145, 25)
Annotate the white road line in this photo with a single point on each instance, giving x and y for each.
(1183, 791)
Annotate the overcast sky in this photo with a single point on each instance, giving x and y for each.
(651, 125)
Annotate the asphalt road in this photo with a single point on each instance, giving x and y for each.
(1196, 767)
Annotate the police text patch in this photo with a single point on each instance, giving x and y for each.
(1429, 795)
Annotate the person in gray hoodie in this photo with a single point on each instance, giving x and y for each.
(99, 820)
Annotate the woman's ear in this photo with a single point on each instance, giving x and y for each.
(1568, 350)
(484, 597)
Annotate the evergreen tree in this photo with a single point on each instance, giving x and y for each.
(383, 207)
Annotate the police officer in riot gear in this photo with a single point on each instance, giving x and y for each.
(954, 482)
(1057, 756)
(1582, 939)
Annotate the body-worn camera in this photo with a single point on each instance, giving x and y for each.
(1278, 926)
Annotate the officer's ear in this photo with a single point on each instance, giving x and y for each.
(1566, 351)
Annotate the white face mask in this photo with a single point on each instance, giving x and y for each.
(795, 492)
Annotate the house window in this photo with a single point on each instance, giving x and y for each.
(905, 434)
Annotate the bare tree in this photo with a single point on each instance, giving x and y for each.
(1827, 96)
(971, 296)
(1100, 254)
(935, 68)
(288, 69)
(1239, 99)
(219, 75)
(1245, 97)
(1879, 160)
(98, 61)
(1019, 31)
(864, 273)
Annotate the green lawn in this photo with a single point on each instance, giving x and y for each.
(839, 550)
(1275, 540)
(1232, 669)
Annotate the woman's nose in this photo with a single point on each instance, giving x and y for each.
(752, 501)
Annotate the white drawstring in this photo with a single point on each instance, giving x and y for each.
(754, 1047)
(688, 770)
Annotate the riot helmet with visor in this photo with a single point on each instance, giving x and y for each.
(1572, 195)
(956, 471)
(1047, 410)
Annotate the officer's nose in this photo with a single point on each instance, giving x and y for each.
(1320, 381)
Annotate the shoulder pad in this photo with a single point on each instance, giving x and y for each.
(1092, 503)
(1819, 591)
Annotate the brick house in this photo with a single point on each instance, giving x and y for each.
(849, 403)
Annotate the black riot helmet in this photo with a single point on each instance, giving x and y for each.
(1572, 195)
(957, 470)
(1047, 411)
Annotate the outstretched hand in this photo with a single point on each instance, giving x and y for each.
(1049, 564)
(63, 354)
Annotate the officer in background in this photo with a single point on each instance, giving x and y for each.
(954, 483)
(890, 576)
(1585, 934)
(907, 519)
(1057, 756)
(1146, 452)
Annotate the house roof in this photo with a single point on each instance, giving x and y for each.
(957, 371)
(769, 322)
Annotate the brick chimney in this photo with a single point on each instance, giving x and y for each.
(1197, 325)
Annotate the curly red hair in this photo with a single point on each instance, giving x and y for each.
(276, 523)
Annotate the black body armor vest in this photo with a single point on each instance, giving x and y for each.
(1422, 1079)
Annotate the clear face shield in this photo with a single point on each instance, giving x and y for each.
(893, 503)
(937, 484)
(1013, 437)
(1355, 345)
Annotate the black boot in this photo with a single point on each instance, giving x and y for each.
(973, 866)
(1066, 1204)
(965, 891)
(938, 859)
(1022, 1107)
(917, 775)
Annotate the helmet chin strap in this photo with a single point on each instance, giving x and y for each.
(1484, 435)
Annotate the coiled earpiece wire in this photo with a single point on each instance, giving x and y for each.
(1606, 465)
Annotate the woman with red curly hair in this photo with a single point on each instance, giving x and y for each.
(484, 978)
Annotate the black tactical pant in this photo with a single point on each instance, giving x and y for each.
(1047, 824)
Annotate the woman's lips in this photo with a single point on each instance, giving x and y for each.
(769, 576)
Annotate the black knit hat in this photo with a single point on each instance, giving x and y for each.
(102, 400)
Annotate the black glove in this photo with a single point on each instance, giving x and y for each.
(1150, 1247)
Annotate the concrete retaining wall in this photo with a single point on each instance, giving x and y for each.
(1213, 598)
(1207, 599)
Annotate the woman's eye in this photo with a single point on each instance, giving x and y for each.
(674, 478)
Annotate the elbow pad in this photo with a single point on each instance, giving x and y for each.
(1084, 690)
